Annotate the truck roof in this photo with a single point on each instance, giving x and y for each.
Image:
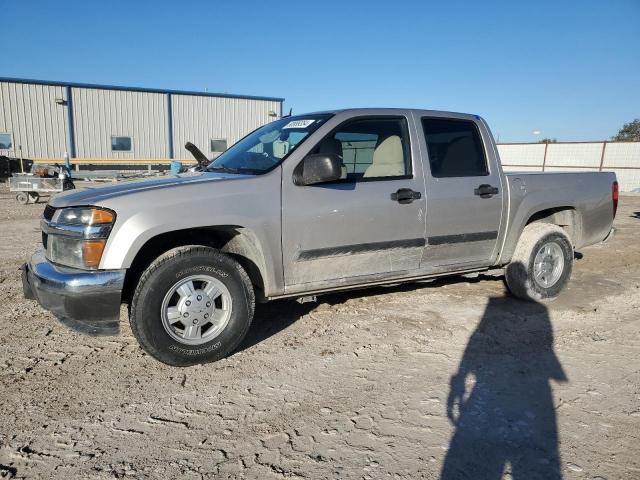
(394, 111)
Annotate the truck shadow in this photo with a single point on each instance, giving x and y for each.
(500, 399)
(635, 215)
(273, 317)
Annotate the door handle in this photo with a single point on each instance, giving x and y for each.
(405, 195)
(486, 191)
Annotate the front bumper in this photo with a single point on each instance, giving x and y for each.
(86, 301)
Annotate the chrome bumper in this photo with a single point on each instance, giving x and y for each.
(86, 301)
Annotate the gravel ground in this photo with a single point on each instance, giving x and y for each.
(355, 386)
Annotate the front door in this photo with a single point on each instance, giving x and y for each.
(368, 225)
(464, 193)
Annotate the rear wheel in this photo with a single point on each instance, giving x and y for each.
(192, 305)
(541, 264)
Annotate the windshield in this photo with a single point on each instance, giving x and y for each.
(265, 148)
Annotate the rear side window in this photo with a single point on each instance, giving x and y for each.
(455, 148)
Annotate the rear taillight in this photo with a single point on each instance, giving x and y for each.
(614, 197)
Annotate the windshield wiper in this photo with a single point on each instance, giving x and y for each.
(221, 168)
(239, 170)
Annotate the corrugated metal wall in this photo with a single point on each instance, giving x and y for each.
(200, 119)
(34, 120)
(29, 112)
(623, 158)
(100, 114)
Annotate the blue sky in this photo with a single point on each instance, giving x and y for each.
(568, 68)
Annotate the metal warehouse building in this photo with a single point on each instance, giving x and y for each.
(100, 124)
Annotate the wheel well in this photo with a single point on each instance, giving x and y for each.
(235, 241)
(566, 217)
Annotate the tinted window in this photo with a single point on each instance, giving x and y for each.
(218, 145)
(455, 148)
(121, 144)
(5, 141)
(370, 148)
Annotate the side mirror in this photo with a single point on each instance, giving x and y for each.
(318, 168)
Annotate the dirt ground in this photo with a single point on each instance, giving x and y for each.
(354, 386)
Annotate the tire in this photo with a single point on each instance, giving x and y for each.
(536, 281)
(157, 316)
(22, 198)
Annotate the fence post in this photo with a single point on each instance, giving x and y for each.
(544, 160)
(604, 147)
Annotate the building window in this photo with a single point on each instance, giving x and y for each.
(120, 144)
(5, 141)
(219, 145)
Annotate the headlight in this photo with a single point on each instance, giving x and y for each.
(76, 236)
(83, 216)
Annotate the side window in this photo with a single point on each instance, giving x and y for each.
(218, 146)
(5, 141)
(120, 144)
(455, 148)
(370, 148)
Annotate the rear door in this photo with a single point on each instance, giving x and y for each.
(368, 225)
(464, 192)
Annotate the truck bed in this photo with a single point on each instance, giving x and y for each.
(587, 194)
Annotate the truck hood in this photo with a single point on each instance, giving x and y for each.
(97, 195)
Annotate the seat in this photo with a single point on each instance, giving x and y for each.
(456, 158)
(388, 159)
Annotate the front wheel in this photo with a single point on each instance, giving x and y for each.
(541, 264)
(192, 305)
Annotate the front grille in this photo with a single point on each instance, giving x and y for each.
(48, 212)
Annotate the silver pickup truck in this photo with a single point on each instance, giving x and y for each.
(302, 206)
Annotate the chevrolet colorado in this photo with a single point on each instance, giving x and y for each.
(306, 205)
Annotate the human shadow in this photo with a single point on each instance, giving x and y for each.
(507, 421)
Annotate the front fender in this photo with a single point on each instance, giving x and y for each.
(251, 204)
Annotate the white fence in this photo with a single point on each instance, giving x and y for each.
(623, 158)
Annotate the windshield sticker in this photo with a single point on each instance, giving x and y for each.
(299, 124)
